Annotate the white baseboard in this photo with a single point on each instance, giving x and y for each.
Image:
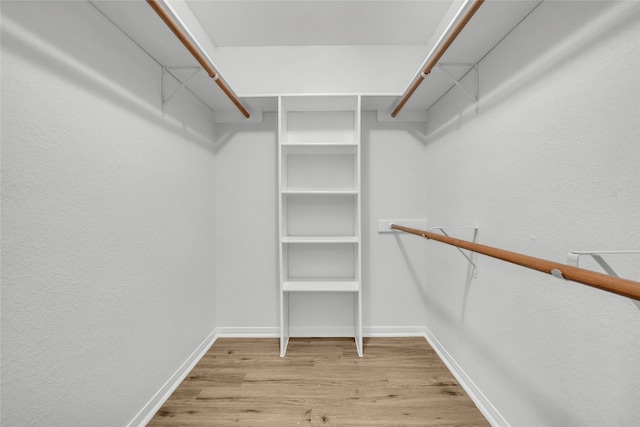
(393, 331)
(484, 405)
(154, 404)
(347, 331)
(320, 332)
(248, 332)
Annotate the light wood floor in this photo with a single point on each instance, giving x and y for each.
(320, 382)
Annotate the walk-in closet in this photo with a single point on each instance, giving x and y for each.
(341, 213)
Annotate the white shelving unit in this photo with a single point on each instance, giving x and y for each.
(319, 202)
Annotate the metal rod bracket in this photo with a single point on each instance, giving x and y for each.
(473, 67)
(470, 256)
(573, 258)
(173, 21)
(163, 90)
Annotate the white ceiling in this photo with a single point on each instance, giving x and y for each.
(241, 23)
(332, 22)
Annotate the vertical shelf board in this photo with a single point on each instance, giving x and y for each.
(358, 219)
(284, 322)
(320, 203)
(282, 256)
(358, 297)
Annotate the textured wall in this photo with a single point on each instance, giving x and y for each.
(549, 165)
(247, 225)
(107, 221)
(393, 267)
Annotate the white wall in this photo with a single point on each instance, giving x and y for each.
(394, 270)
(107, 221)
(549, 165)
(247, 226)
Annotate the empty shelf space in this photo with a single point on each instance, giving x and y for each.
(320, 215)
(319, 126)
(309, 259)
(318, 168)
(317, 103)
(321, 285)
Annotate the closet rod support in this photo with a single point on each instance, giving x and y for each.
(165, 100)
(573, 258)
(475, 67)
(468, 257)
(175, 24)
(455, 27)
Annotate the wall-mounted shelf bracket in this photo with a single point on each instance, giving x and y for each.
(472, 67)
(471, 255)
(573, 258)
(169, 70)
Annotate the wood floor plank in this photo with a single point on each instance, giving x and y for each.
(320, 382)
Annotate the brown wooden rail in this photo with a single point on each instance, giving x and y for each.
(166, 17)
(617, 285)
(433, 60)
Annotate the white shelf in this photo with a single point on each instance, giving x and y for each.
(320, 144)
(319, 192)
(321, 285)
(320, 239)
(319, 162)
(320, 148)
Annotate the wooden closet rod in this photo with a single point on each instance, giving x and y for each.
(617, 285)
(187, 41)
(437, 53)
